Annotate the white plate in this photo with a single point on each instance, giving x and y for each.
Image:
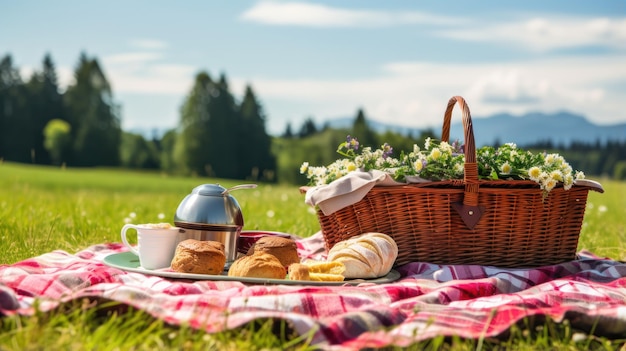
(129, 262)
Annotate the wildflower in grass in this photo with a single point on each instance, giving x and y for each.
(161, 216)
(270, 214)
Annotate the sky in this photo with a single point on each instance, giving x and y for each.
(399, 61)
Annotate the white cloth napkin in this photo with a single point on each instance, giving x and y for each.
(346, 190)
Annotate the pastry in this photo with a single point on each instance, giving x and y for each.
(298, 271)
(369, 255)
(258, 265)
(317, 271)
(285, 249)
(199, 257)
(327, 267)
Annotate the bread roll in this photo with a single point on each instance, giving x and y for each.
(285, 249)
(199, 257)
(369, 255)
(258, 265)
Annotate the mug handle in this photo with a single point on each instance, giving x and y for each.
(125, 241)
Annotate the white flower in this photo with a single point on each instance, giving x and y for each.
(505, 168)
(534, 173)
(427, 143)
(445, 147)
(568, 181)
(304, 167)
(556, 175)
(548, 184)
(459, 168)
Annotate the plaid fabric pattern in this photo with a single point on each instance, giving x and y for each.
(429, 300)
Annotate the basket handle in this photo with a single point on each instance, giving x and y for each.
(469, 209)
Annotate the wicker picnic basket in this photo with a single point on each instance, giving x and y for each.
(504, 223)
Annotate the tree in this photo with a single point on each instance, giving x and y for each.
(223, 126)
(45, 104)
(15, 139)
(94, 117)
(362, 131)
(166, 151)
(288, 134)
(254, 153)
(308, 128)
(192, 146)
(137, 152)
(57, 140)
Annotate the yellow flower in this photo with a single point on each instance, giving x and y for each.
(351, 167)
(435, 153)
(418, 165)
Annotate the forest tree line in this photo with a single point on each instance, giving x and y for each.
(217, 135)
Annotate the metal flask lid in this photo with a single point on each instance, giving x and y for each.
(210, 207)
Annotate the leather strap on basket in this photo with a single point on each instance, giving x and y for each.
(469, 210)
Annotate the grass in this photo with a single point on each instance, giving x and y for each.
(45, 208)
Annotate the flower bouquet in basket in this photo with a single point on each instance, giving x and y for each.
(440, 160)
(451, 203)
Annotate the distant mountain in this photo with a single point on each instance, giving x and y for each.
(560, 128)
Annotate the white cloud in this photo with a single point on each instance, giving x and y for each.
(546, 33)
(415, 94)
(316, 15)
(155, 78)
(141, 58)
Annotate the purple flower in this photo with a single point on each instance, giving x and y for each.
(353, 143)
(457, 148)
(387, 150)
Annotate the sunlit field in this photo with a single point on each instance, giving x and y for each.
(45, 208)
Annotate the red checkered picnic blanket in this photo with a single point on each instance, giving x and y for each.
(429, 300)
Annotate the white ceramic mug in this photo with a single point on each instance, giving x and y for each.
(156, 244)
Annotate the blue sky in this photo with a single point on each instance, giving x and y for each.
(398, 60)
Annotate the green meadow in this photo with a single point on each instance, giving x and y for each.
(49, 208)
